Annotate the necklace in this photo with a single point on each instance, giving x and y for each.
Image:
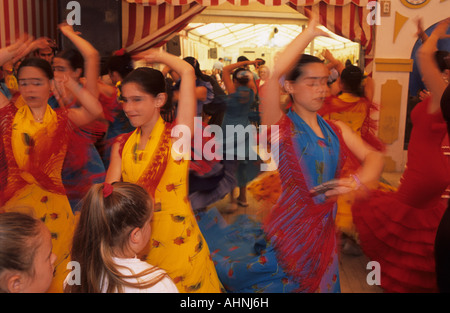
(38, 119)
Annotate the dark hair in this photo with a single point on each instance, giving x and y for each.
(198, 72)
(19, 240)
(297, 71)
(242, 58)
(445, 107)
(153, 82)
(442, 59)
(262, 61)
(242, 78)
(39, 63)
(352, 77)
(122, 64)
(74, 57)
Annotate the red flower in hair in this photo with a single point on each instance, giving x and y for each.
(120, 52)
(107, 189)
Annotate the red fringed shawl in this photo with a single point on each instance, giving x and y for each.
(45, 154)
(298, 228)
(153, 173)
(369, 126)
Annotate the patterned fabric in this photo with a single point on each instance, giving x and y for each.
(83, 165)
(35, 153)
(176, 244)
(295, 248)
(301, 228)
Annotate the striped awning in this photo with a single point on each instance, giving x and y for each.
(151, 23)
(247, 2)
(34, 17)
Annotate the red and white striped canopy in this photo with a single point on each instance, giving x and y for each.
(247, 2)
(34, 17)
(150, 23)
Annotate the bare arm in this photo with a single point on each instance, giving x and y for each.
(372, 164)
(431, 74)
(114, 172)
(420, 32)
(371, 159)
(90, 55)
(228, 70)
(333, 62)
(90, 108)
(12, 53)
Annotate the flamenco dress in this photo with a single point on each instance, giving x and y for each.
(294, 249)
(176, 243)
(30, 181)
(398, 229)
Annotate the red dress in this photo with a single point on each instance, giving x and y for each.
(398, 229)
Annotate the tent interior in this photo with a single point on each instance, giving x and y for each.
(255, 31)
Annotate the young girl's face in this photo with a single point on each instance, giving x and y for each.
(139, 106)
(34, 86)
(44, 261)
(310, 89)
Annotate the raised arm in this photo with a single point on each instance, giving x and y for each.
(372, 164)
(90, 55)
(90, 108)
(12, 53)
(187, 102)
(271, 111)
(227, 72)
(431, 75)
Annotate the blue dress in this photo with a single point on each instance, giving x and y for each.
(249, 255)
(238, 143)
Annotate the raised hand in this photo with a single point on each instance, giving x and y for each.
(67, 29)
(15, 51)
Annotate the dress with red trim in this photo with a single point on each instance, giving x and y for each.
(398, 229)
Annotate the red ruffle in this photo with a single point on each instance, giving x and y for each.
(401, 238)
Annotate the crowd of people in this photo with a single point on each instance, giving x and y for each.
(90, 172)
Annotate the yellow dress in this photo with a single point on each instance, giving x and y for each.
(32, 198)
(177, 244)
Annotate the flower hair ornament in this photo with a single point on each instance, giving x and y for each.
(107, 190)
(120, 52)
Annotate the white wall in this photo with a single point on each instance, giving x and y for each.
(385, 47)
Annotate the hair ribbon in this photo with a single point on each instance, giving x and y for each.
(107, 189)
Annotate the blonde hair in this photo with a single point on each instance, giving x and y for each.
(105, 224)
(19, 241)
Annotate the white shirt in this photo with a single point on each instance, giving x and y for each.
(136, 266)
